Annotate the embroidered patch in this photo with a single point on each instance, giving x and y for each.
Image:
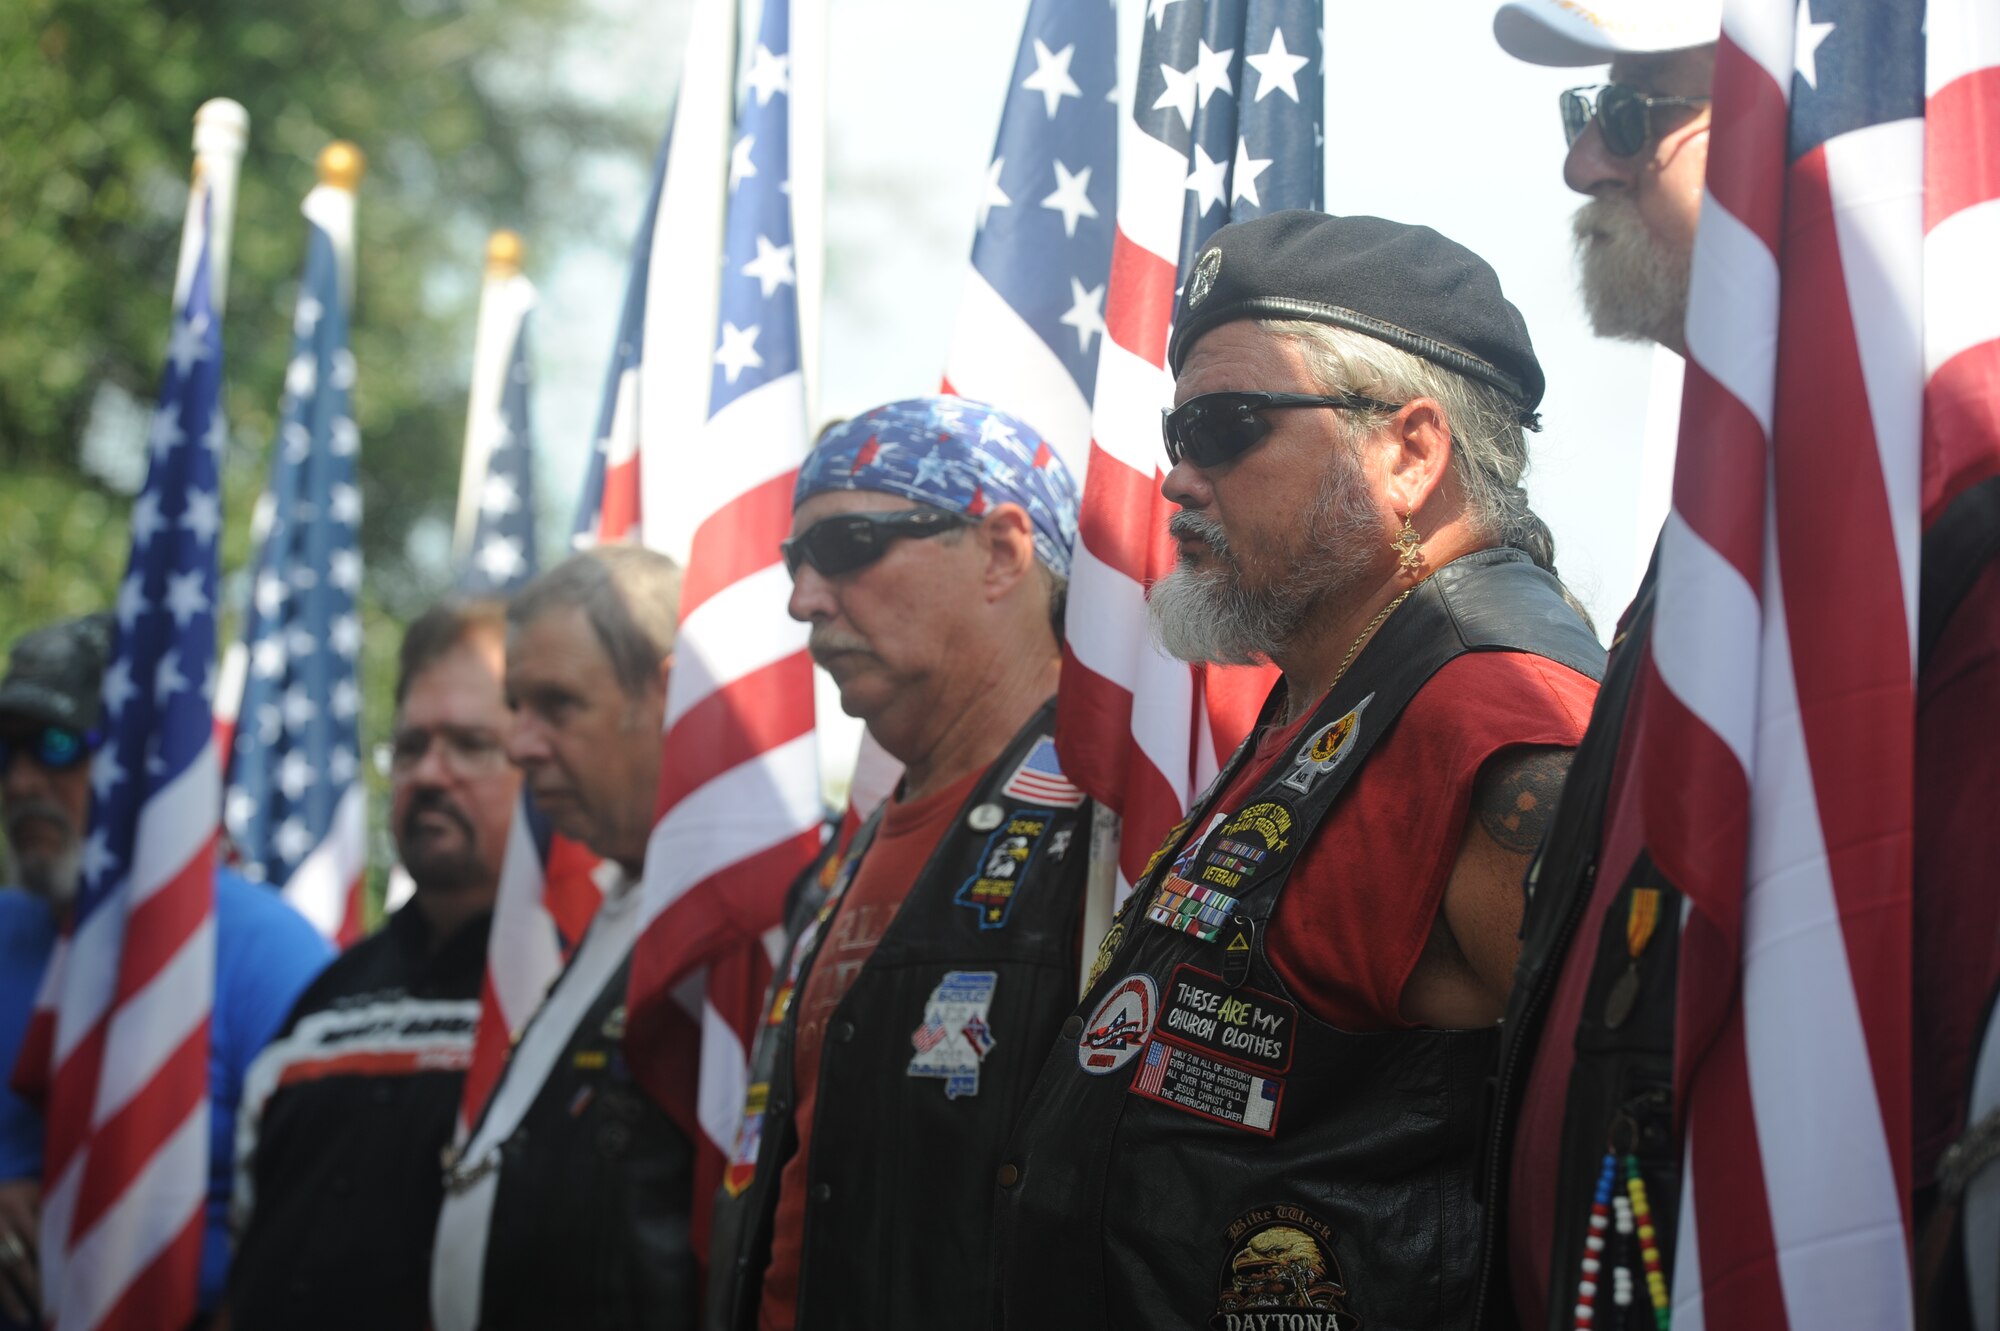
(1280, 1272)
(1166, 845)
(781, 1003)
(742, 1167)
(1190, 907)
(1059, 843)
(1229, 862)
(1209, 1088)
(1113, 1033)
(1245, 1025)
(1040, 779)
(1107, 948)
(955, 1036)
(1269, 821)
(1002, 866)
(1325, 750)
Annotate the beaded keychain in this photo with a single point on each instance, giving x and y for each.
(1630, 1216)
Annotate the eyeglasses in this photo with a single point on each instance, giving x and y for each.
(1214, 428)
(1624, 115)
(466, 753)
(54, 747)
(850, 541)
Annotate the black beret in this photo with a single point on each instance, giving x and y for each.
(1407, 285)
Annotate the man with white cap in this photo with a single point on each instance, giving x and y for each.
(1587, 1060)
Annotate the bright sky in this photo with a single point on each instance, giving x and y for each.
(1427, 121)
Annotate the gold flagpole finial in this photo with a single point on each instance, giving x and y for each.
(342, 165)
(504, 253)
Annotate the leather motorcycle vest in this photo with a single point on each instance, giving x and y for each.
(590, 1224)
(1199, 1150)
(926, 1062)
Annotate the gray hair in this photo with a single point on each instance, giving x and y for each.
(1489, 447)
(630, 595)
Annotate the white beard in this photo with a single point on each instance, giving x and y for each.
(1633, 287)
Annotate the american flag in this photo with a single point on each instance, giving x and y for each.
(1840, 343)
(739, 811)
(607, 508)
(1225, 126)
(1031, 319)
(500, 551)
(296, 808)
(122, 1025)
(1039, 778)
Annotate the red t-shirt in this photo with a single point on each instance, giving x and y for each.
(1956, 938)
(902, 845)
(1362, 899)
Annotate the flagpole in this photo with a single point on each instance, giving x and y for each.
(221, 133)
(500, 308)
(331, 206)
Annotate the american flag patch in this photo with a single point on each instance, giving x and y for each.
(1040, 778)
(1154, 1070)
(1190, 907)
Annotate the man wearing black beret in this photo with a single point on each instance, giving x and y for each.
(1266, 1108)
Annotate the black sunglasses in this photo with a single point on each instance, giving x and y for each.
(849, 541)
(54, 747)
(1213, 428)
(1624, 115)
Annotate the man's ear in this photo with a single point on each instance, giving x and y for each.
(1422, 453)
(1009, 535)
(666, 670)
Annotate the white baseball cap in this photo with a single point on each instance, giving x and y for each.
(1572, 32)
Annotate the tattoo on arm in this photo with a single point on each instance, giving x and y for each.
(1516, 796)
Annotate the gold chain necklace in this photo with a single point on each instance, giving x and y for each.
(1373, 624)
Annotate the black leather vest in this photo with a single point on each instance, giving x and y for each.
(590, 1221)
(1200, 1151)
(925, 1064)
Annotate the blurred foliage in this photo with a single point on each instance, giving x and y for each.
(465, 127)
(468, 123)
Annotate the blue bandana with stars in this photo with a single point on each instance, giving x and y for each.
(954, 454)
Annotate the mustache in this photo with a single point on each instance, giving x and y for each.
(39, 808)
(434, 801)
(823, 642)
(1190, 526)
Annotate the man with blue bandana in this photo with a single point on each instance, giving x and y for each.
(932, 961)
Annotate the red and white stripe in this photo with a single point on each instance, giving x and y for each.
(546, 899)
(122, 1025)
(1141, 732)
(1774, 724)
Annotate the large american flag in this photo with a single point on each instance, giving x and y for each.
(739, 811)
(122, 1026)
(1031, 319)
(1225, 125)
(296, 807)
(499, 556)
(1840, 339)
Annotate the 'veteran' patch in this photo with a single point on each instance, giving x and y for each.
(1208, 1087)
(1003, 864)
(1242, 1025)
(1280, 1274)
(1112, 1034)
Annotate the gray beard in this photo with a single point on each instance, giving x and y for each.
(1633, 288)
(53, 878)
(1207, 615)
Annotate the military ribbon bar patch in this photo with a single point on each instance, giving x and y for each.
(1191, 907)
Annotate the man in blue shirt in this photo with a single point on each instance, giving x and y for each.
(266, 953)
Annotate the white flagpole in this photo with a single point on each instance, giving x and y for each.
(504, 299)
(221, 133)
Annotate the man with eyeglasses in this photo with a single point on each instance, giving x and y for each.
(349, 1110)
(569, 1203)
(932, 961)
(50, 728)
(1265, 1110)
(1589, 1057)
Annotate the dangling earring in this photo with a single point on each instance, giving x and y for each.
(1409, 546)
